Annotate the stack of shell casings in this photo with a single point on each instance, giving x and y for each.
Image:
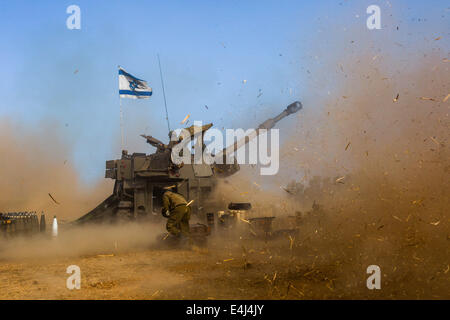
(18, 224)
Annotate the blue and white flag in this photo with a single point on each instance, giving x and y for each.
(132, 87)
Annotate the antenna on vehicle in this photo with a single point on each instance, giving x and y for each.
(164, 93)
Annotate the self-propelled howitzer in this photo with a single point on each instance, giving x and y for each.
(140, 179)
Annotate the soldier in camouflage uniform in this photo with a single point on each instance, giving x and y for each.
(178, 214)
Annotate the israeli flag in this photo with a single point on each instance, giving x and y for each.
(132, 87)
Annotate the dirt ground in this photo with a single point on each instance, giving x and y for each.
(307, 265)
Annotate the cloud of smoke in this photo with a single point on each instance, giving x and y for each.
(75, 241)
(372, 149)
(36, 162)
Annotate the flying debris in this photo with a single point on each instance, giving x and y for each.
(425, 98)
(53, 198)
(185, 118)
(339, 180)
(396, 98)
(348, 145)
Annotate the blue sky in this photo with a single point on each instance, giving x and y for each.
(207, 49)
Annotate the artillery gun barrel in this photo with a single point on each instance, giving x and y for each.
(266, 125)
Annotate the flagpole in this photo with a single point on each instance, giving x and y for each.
(121, 121)
(164, 93)
(121, 115)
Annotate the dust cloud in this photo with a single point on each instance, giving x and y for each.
(35, 162)
(377, 159)
(373, 154)
(78, 241)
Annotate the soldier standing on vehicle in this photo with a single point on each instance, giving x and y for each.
(178, 213)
